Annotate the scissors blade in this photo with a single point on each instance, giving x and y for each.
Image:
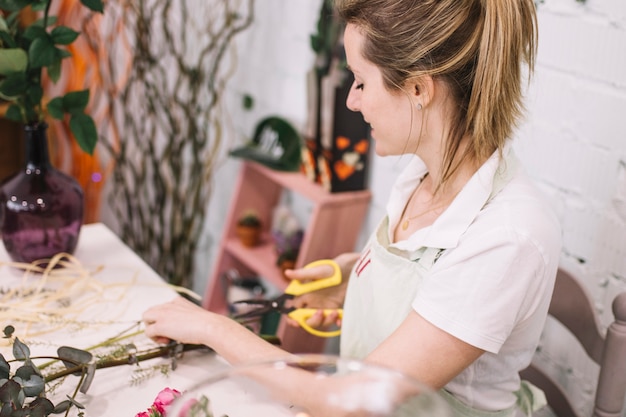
(257, 312)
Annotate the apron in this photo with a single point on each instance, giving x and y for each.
(391, 283)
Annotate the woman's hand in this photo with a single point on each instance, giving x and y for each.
(327, 298)
(179, 320)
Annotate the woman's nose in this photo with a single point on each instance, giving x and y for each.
(353, 100)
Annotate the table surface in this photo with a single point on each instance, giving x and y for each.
(127, 286)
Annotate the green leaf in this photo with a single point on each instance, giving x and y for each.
(8, 331)
(62, 407)
(13, 85)
(84, 130)
(76, 101)
(10, 391)
(64, 53)
(42, 52)
(95, 5)
(55, 108)
(34, 31)
(20, 350)
(13, 5)
(73, 357)
(12, 61)
(39, 5)
(51, 21)
(31, 383)
(5, 368)
(7, 40)
(3, 25)
(248, 102)
(34, 93)
(62, 35)
(90, 372)
(54, 71)
(14, 113)
(39, 407)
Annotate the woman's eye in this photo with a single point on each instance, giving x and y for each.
(359, 86)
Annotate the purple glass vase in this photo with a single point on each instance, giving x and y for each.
(41, 210)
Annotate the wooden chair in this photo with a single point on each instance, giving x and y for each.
(572, 306)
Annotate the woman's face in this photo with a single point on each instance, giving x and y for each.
(388, 113)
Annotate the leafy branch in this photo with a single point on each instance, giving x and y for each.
(28, 380)
(26, 49)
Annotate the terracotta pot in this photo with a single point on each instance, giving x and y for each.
(249, 236)
(286, 264)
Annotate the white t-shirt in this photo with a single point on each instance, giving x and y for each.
(491, 286)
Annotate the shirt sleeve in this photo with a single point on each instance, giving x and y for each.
(487, 285)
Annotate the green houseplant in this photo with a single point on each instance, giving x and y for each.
(41, 207)
(27, 49)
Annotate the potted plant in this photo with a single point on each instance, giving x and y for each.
(48, 215)
(30, 46)
(287, 260)
(287, 236)
(249, 228)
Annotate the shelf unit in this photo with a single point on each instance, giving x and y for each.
(333, 228)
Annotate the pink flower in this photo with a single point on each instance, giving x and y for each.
(161, 403)
(166, 396)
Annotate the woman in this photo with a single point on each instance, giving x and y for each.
(453, 287)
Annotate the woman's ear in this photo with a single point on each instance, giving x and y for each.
(422, 90)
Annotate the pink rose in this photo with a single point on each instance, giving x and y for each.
(143, 414)
(165, 398)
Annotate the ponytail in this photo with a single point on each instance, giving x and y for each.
(509, 39)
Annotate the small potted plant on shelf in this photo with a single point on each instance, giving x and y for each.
(249, 228)
(287, 236)
(287, 260)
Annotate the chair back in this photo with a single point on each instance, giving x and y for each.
(573, 307)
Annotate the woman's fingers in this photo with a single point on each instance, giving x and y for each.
(319, 320)
(307, 274)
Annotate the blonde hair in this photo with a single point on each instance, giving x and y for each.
(478, 47)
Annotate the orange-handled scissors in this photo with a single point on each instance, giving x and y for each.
(294, 289)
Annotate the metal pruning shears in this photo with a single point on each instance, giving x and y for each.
(294, 289)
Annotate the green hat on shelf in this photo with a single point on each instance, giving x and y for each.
(275, 144)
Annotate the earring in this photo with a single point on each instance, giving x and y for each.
(419, 106)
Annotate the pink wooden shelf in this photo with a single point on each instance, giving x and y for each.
(333, 228)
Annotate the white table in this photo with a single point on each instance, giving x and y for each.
(113, 392)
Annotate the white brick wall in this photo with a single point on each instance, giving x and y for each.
(574, 144)
(573, 141)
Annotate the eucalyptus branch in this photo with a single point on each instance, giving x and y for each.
(129, 359)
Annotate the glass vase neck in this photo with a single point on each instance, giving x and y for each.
(37, 145)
